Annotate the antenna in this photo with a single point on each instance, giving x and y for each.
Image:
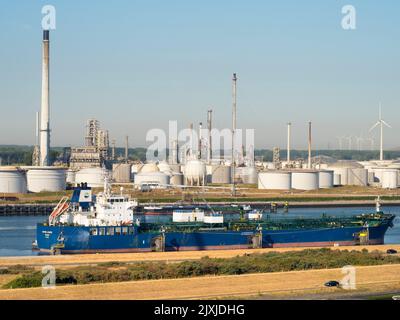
(289, 125)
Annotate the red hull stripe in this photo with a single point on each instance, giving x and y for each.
(224, 247)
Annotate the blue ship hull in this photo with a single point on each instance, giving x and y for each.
(80, 239)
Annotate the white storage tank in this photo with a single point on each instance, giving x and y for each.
(249, 175)
(337, 179)
(390, 179)
(357, 177)
(326, 179)
(195, 173)
(275, 180)
(371, 177)
(305, 180)
(94, 177)
(71, 174)
(12, 180)
(378, 174)
(349, 174)
(219, 174)
(159, 179)
(121, 172)
(41, 179)
(176, 179)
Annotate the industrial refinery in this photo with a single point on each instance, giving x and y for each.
(188, 165)
(199, 150)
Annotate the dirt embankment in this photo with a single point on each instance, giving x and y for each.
(280, 284)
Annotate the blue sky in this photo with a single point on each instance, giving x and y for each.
(134, 65)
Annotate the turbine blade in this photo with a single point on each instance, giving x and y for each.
(374, 126)
(386, 124)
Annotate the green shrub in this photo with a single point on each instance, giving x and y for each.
(26, 281)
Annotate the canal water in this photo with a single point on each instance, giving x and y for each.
(18, 232)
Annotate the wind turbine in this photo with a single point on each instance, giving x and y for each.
(349, 140)
(381, 123)
(340, 139)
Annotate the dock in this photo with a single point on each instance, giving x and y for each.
(26, 209)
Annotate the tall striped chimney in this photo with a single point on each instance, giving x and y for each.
(45, 106)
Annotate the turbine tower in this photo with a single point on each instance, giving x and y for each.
(380, 123)
(359, 141)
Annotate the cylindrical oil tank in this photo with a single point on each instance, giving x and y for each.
(305, 180)
(121, 172)
(176, 179)
(155, 178)
(275, 180)
(326, 179)
(12, 180)
(343, 173)
(378, 174)
(220, 174)
(249, 175)
(94, 177)
(390, 179)
(40, 179)
(371, 177)
(337, 179)
(357, 177)
(71, 176)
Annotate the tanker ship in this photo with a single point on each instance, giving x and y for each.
(109, 223)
